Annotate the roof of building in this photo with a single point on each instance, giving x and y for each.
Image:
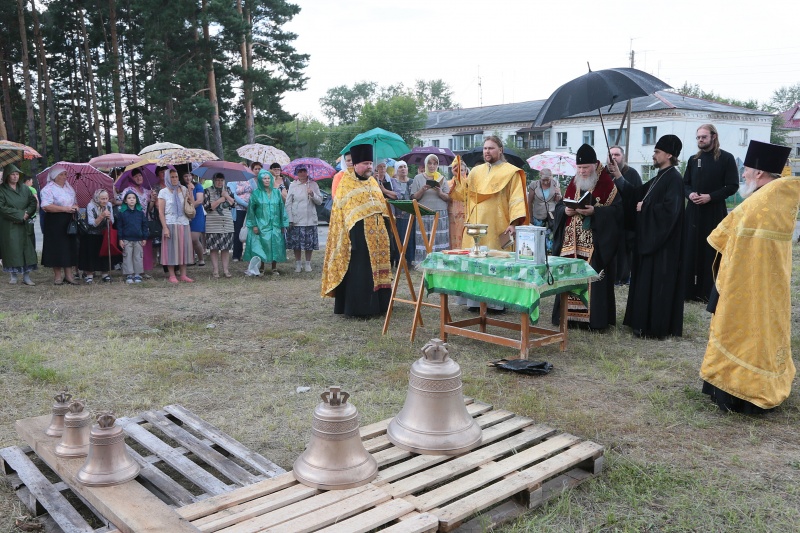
(527, 111)
(791, 117)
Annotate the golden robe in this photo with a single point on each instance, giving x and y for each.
(494, 195)
(749, 353)
(356, 200)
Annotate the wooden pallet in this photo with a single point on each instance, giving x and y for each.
(519, 465)
(183, 460)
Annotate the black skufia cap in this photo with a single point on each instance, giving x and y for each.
(586, 155)
(767, 157)
(360, 153)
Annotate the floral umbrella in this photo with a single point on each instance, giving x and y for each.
(186, 155)
(561, 163)
(115, 160)
(157, 149)
(317, 168)
(264, 154)
(84, 178)
(11, 152)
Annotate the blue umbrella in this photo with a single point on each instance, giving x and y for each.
(231, 171)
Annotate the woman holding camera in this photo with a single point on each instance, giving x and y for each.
(218, 203)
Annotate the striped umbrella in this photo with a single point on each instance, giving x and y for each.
(264, 154)
(115, 160)
(186, 155)
(84, 178)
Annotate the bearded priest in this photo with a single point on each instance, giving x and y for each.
(591, 233)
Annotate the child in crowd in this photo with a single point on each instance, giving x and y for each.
(132, 231)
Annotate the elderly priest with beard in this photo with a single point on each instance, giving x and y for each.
(591, 233)
(655, 300)
(748, 364)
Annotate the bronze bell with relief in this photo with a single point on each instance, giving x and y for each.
(109, 462)
(77, 426)
(335, 458)
(434, 419)
(60, 408)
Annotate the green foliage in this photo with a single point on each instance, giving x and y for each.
(784, 98)
(695, 91)
(402, 115)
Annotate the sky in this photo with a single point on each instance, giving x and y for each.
(503, 51)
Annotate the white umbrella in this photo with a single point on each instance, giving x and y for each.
(561, 163)
(155, 150)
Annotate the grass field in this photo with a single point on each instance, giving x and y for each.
(233, 351)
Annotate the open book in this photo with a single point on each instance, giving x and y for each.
(581, 203)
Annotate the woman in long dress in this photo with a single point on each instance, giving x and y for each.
(433, 197)
(59, 250)
(176, 235)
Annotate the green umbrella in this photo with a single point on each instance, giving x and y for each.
(384, 143)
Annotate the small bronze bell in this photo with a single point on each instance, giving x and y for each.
(60, 408)
(109, 462)
(434, 419)
(335, 458)
(77, 426)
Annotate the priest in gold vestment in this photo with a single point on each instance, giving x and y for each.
(748, 363)
(494, 194)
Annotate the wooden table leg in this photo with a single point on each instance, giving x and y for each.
(525, 335)
(562, 321)
(444, 316)
(483, 316)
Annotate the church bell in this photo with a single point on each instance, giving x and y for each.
(60, 408)
(335, 458)
(109, 462)
(434, 419)
(77, 426)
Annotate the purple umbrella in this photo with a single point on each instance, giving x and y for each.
(317, 168)
(418, 154)
(148, 173)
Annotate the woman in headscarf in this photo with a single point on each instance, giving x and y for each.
(198, 223)
(59, 250)
(431, 190)
(219, 224)
(99, 216)
(17, 209)
(266, 220)
(457, 211)
(176, 236)
(147, 202)
(401, 185)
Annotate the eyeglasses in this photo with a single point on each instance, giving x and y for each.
(702, 137)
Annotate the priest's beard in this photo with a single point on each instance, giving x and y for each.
(366, 175)
(748, 188)
(586, 184)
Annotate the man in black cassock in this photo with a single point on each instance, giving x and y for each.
(591, 234)
(710, 178)
(627, 180)
(655, 299)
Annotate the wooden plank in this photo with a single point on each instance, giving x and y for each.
(451, 515)
(254, 508)
(334, 513)
(212, 457)
(377, 444)
(43, 492)
(488, 520)
(225, 441)
(467, 462)
(482, 477)
(369, 520)
(130, 506)
(224, 501)
(179, 462)
(416, 523)
(171, 489)
(295, 510)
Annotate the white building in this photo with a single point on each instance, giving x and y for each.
(791, 127)
(651, 117)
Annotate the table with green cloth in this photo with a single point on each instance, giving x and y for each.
(517, 285)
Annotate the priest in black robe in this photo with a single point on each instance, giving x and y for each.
(655, 299)
(593, 234)
(627, 180)
(710, 178)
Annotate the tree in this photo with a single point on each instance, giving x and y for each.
(695, 91)
(26, 74)
(343, 104)
(784, 98)
(434, 94)
(403, 115)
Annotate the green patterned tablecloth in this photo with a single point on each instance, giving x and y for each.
(517, 285)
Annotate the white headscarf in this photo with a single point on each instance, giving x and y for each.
(54, 171)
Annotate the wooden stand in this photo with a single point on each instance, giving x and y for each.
(403, 268)
(529, 335)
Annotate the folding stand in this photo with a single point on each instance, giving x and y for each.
(416, 210)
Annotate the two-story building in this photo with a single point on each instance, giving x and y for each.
(791, 127)
(651, 117)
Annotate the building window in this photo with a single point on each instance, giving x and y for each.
(435, 143)
(539, 141)
(612, 137)
(797, 150)
(649, 135)
(648, 171)
(562, 139)
(588, 137)
(466, 142)
(743, 137)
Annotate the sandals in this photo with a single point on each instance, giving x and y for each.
(71, 282)
(215, 275)
(186, 279)
(173, 279)
(227, 275)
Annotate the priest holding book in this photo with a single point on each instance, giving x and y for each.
(591, 233)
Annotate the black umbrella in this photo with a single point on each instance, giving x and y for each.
(475, 157)
(594, 90)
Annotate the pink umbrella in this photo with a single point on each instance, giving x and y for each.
(84, 178)
(317, 168)
(148, 173)
(109, 161)
(561, 163)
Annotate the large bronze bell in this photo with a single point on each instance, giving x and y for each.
(60, 408)
(434, 419)
(109, 462)
(77, 426)
(335, 458)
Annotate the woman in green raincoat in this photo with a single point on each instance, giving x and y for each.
(266, 220)
(17, 207)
